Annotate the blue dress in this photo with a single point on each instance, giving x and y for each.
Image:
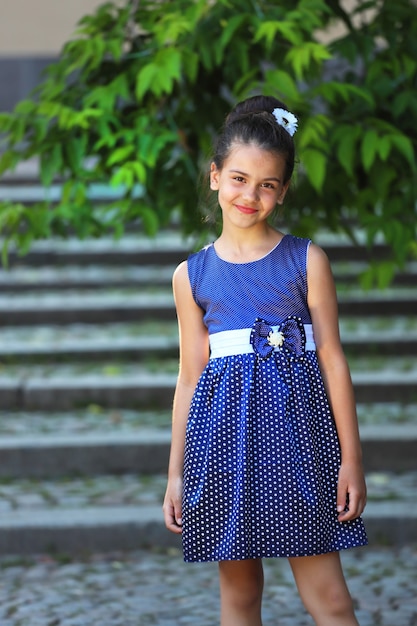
(261, 453)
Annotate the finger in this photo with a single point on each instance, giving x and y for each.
(361, 503)
(342, 501)
(353, 509)
(170, 519)
(178, 513)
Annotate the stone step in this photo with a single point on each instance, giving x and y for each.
(90, 310)
(89, 278)
(145, 451)
(145, 391)
(167, 248)
(155, 390)
(103, 529)
(126, 307)
(96, 420)
(86, 454)
(21, 339)
(72, 277)
(350, 274)
(381, 344)
(83, 530)
(56, 335)
(108, 348)
(163, 347)
(169, 256)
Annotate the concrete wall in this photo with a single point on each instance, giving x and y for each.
(32, 33)
(39, 27)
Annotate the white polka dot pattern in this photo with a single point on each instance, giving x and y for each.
(262, 453)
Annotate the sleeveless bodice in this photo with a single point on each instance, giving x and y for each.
(232, 295)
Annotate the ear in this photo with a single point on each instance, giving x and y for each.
(283, 193)
(214, 177)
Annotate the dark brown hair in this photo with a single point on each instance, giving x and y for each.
(252, 122)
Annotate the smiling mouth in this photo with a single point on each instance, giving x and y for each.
(245, 209)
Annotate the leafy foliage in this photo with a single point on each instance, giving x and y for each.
(137, 95)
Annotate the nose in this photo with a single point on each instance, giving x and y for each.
(250, 193)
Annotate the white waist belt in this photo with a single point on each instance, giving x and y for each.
(230, 342)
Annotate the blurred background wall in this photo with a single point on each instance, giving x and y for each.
(32, 33)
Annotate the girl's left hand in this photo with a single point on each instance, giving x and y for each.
(351, 491)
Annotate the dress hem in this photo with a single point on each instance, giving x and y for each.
(277, 556)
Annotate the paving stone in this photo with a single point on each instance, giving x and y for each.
(145, 588)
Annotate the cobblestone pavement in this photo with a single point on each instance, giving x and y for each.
(147, 588)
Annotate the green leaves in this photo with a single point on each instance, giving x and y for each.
(314, 162)
(282, 84)
(140, 90)
(369, 148)
(158, 76)
(302, 57)
(374, 145)
(271, 30)
(120, 154)
(50, 164)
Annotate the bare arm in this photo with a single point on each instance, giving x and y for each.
(322, 303)
(194, 354)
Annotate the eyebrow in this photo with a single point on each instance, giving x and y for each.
(246, 175)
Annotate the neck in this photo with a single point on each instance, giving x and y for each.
(247, 245)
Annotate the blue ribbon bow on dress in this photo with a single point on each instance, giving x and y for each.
(288, 337)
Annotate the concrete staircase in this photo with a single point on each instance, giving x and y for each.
(88, 357)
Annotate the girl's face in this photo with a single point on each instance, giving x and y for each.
(249, 185)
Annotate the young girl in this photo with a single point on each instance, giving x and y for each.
(265, 456)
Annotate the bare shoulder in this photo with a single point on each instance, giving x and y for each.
(180, 273)
(320, 281)
(180, 281)
(183, 296)
(318, 265)
(317, 258)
